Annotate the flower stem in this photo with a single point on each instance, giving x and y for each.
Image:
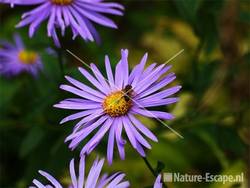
(152, 170)
(60, 60)
(149, 166)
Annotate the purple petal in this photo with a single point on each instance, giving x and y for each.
(100, 8)
(81, 172)
(104, 180)
(147, 71)
(158, 183)
(153, 114)
(73, 173)
(51, 21)
(137, 135)
(19, 42)
(142, 128)
(110, 148)
(93, 116)
(157, 102)
(118, 76)
(59, 19)
(51, 179)
(38, 184)
(76, 116)
(96, 17)
(138, 71)
(162, 94)
(148, 81)
(84, 87)
(94, 174)
(119, 140)
(35, 24)
(168, 79)
(129, 133)
(92, 80)
(116, 180)
(97, 137)
(109, 72)
(144, 81)
(82, 134)
(77, 106)
(80, 93)
(81, 27)
(100, 77)
(124, 62)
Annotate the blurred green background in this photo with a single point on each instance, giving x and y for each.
(213, 114)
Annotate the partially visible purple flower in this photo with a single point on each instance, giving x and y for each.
(79, 15)
(109, 109)
(15, 58)
(93, 180)
(158, 183)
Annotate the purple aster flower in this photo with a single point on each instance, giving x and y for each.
(112, 105)
(93, 179)
(79, 15)
(15, 58)
(158, 183)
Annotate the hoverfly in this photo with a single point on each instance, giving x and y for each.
(128, 92)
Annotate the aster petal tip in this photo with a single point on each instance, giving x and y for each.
(145, 55)
(110, 162)
(171, 116)
(62, 86)
(80, 69)
(31, 32)
(102, 160)
(179, 87)
(56, 106)
(120, 6)
(92, 65)
(18, 25)
(124, 52)
(62, 121)
(66, 140)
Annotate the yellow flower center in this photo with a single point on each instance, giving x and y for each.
(116, 104)
(27, 57)
(62, 2)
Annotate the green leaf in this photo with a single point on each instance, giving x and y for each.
(188, 8)
(208, 139)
